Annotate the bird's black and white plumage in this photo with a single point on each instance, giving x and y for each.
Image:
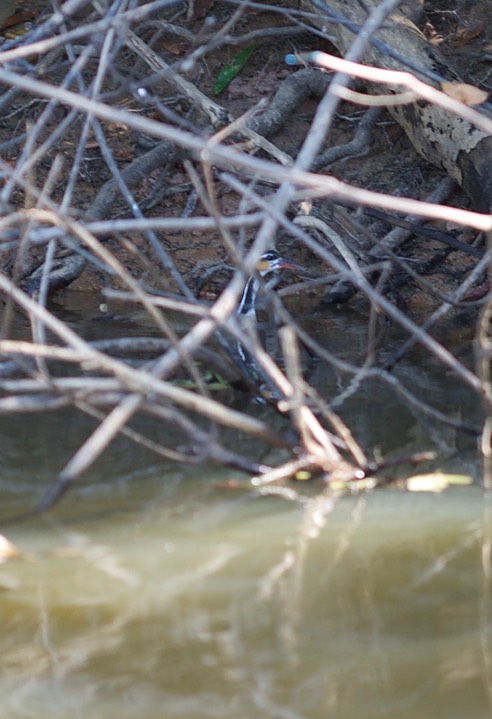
(269, 267)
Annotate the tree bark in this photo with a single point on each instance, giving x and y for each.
(444, 139)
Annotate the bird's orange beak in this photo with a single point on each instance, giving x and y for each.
(280, 262)
(286, 264)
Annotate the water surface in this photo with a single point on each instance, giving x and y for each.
(153, 590)
(168, 597)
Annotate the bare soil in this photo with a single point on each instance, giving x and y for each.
(388, 164)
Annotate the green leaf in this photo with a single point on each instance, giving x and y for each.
(229, 72)
(214, 382)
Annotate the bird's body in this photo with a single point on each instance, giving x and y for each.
(269, 267)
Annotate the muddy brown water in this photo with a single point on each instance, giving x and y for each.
(151, 591)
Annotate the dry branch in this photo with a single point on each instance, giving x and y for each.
(97, 379)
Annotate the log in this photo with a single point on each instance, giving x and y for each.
(444, 139)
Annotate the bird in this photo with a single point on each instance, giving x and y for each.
(269, 267)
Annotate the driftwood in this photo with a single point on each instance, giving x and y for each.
(444, 139)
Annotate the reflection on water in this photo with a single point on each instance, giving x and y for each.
(182, 601)
(152, 591)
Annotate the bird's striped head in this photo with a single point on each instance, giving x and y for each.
(271, 263)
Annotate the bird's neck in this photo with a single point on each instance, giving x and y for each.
(246, 307)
